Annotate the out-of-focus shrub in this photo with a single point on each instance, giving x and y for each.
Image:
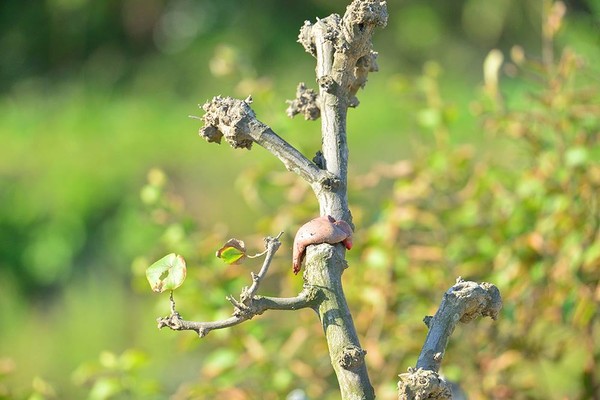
(523, 213)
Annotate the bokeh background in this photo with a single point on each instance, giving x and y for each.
(464, 162)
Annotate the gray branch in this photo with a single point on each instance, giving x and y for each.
(324, 267)
(272, 245)
(338, 43)
(249, 304)
(235, 121)
(342, 47)
(463, 302)
(258, 305)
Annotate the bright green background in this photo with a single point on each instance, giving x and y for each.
(93, 95)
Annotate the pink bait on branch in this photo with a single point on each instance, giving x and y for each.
(324, 229)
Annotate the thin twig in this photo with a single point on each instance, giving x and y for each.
(249, 304)
(272, 244)
(257, 255)
(307, 298)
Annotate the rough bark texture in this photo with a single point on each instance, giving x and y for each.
(324, 266)
(463, 302)
(338, 43)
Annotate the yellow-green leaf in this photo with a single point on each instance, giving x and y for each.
(168, 273)
(231, 255)
(232, 252)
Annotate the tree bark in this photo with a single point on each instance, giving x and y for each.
(338, 43)
(324, 266)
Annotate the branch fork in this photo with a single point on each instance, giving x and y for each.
(249, 305)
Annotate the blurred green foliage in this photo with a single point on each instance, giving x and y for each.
(523, 214)
(93, 104)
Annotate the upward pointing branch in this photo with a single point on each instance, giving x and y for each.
(338, 44)
(343, 49)
(463, 302)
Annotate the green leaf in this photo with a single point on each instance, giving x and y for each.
(232, 252)
(168, 273)
(231, 255)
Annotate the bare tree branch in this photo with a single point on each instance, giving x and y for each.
(463, 302)
(325, 264)
(272, 245)
(235, 120)
(258, 305)
(338, 43)
(249, 304)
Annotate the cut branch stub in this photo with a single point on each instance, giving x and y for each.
(343, 47)
(229, 118)
(360, 14)
(463, 302)
(481, 300)
(364, 65)
(360, 19)
(236, 121)
(305, 39)
(352, 32)
(306, 102)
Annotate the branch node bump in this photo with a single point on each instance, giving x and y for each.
(481, 300)
(211, 134)
(371, 12)
(306, 102)
(421, 384)
(305, 39)
(463, 302)
(327, 83)
(352, 357)
(427, 320)
(330, 182)
(319, 160)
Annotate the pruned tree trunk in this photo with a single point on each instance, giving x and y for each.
(344, 57)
